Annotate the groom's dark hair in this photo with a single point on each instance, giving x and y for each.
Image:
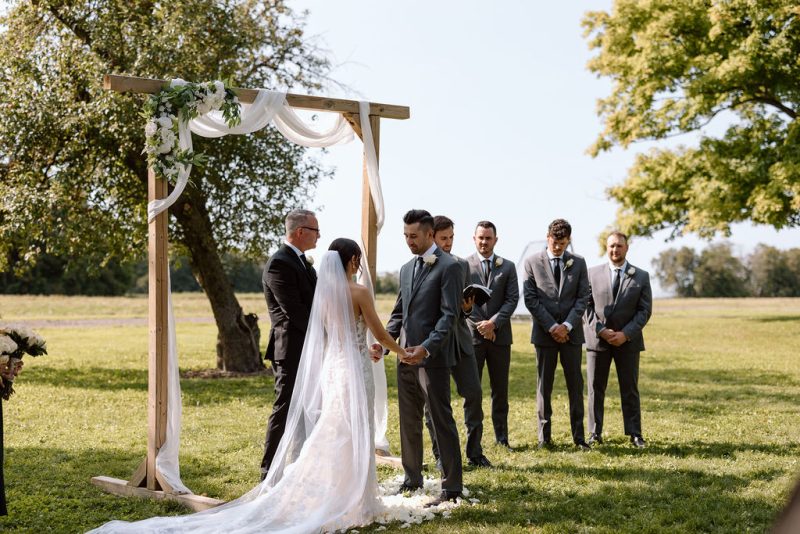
(440, 222)
(423, 217)
(559, 229)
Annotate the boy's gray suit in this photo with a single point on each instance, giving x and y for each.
(425, 314)
(627, 314)
(551, 305)
(495, 354)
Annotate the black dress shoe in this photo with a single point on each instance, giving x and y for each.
(595, 438)
(479, 461)
(503, 442)
(445, 496)
(583, 446)
(638, 441)
(405, 488)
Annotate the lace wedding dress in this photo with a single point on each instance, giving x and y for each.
(323, 476)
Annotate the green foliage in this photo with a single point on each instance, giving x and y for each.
(388, 283)
(72, 175)
(716, 272)
(81, 412)
(676, 65)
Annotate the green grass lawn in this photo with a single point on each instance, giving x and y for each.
(720, 386)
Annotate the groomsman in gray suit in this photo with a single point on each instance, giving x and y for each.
(556, 290)
(423, 319)
(620, 304)
(491, 322)
(465, 372)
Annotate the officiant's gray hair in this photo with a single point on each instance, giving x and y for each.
(297, 218)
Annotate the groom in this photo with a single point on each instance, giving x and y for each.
(423, 319)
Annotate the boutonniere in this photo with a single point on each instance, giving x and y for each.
(430, 259)
(630, 271)
(568, 264)
(498, 261)
(310, 260)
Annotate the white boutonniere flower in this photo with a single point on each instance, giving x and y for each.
(310, 260)
(631, 270)
(568, 264)
(498, 261)
(430, 259)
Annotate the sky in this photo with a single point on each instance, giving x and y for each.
(502, 112)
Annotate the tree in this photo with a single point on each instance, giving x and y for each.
(72, 175)
(676, 65)
(674, 269)
(720, 274)
(771, 273)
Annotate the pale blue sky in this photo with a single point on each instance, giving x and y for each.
(502, 111)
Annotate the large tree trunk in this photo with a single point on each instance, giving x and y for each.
(238, 334)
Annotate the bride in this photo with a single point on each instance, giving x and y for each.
(323, 475)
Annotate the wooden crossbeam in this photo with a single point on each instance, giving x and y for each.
(133, 84)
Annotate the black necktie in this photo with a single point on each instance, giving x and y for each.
(557, 272)
(486, 270)
(309, 268)
(615, 287)
(417, 270)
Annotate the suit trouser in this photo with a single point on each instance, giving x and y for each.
(416, 388)
(285, 374)
(498, 361)
(468, 385)
(546, 361)
(598, 367)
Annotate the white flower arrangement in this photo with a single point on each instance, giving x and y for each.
(310, 260)
(498, 261)
(7, 346)
(568, 264)
(182, 102)
(430, 259)
(631, 271)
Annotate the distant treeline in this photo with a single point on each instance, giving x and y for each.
(717, 272)
(50, 276)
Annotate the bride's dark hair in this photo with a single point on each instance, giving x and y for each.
(347, 249)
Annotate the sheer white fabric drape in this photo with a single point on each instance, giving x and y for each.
(268, 107)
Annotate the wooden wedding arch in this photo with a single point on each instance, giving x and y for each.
(147, 481)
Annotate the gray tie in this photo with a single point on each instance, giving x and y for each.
(417, 270)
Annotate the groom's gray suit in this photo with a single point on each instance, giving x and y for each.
(627, 314)
(425, 314)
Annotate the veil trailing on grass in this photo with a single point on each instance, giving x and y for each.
(320, 479)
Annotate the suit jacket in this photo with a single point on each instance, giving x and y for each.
(425, 313)
(289, 290)
(501, 305)
(628, 313)
(550, 305)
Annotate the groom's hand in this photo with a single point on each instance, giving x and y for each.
(414, 355)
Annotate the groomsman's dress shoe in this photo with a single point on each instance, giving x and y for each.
(445, 496)
(583, 446)
(595, 439)
(405, 488)
(638, 441)
(504, 443)
(479, 461)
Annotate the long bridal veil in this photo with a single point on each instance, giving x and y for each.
(320, 477)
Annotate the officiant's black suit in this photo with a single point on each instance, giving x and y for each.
(289, 289)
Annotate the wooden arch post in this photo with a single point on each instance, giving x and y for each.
(147, 481)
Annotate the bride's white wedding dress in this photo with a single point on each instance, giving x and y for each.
(323, 476)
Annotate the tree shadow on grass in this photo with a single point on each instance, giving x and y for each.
(618, 499)
(696, 448)
(776, 319)
(724, 377)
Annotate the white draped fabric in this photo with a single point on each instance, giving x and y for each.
(268, 107)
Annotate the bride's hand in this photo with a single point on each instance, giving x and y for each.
(376, 352)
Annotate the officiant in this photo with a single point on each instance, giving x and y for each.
(490, 323)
